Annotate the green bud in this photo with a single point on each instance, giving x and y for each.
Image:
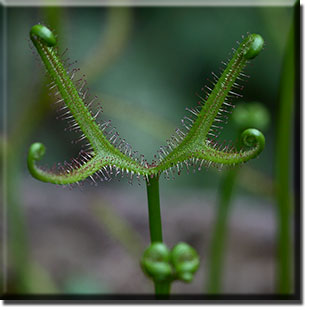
(156, 262)
(252, 114)
(185, 261)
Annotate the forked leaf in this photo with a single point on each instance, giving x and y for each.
(109, 154)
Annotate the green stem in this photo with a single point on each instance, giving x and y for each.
(220, 232)
(161, 288)
(18, 246)
(20, 264)
(154, 210)
(283, 167)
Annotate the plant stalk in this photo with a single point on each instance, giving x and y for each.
(154, 210)
(155, 226)
(282, 169)
(218, 241)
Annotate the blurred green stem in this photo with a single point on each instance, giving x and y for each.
(155, 225)
(218, 241)
(18, 243)
(283, 167)
(247, 115)
(26, 123)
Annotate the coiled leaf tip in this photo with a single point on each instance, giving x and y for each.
(251, 137)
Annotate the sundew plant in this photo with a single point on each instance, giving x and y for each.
(105, 155)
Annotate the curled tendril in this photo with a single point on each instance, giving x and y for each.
(62, 174)
(36, 152)
(252, 137)
(156, 262)
(108, 155)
